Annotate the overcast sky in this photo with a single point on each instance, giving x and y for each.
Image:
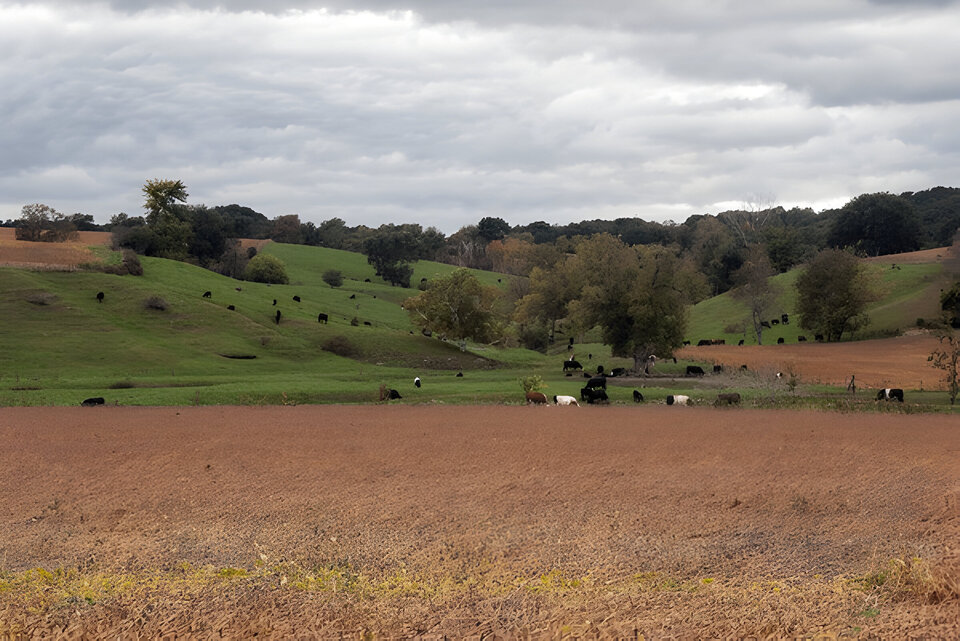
(442, 112)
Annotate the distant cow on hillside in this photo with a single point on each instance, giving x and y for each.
(322, 318)
(99, 297)
(890, 394)
(694, 370)
(207, 294)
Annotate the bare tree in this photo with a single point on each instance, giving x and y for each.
(755, 290)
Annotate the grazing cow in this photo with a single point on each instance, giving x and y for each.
(740, 343)
(677, 399)
(718, 341)
(394, 395)
(637, 396)
(686, 342)
(743, 368)
(426, 332)
(571, 341)
(499, 281)
(733, 398)
(775, 321)
(890, 394)
(718, 369)
(207, 294)
(694, 370)
(780, 341)
(99, 297)
(599, 370)
(239, 289)
(818, 337)
(597, 382)
(278, 317)
(459, 374)
(704, 341)
(296, 298)
(366, 280)
(536, 398)
(352, 296)
(565, 400)
(618, 371)
(231, 308)
(322, 318)
(367, 323)
(801, 338)
(765, 324)
(91, 402)
(785, 319)
(274, 302)
(592, 396)
(416, 382)
(571, 364)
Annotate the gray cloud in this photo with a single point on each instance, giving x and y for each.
(448, 112)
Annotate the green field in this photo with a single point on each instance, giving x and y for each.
(59, 345)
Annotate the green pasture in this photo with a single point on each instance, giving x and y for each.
(58, 345)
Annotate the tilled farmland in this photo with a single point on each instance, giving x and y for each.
(484, 521)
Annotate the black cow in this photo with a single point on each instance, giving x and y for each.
(352, 296)
(686, 342)
(818, 337)
(91, 402)
(459, 374)
(765, 324)
(597, 382)
(274, 302)
(733, 398)
(890, 394)
(801, 338)
(322, 318)
(296, 298)
(740, 342)
(367, 323)
(704, 341)
(785, 319)
(618, 371)
(717, 369)
(393, 395)
(637, 396)
(780, 341)
(231, 308)
(239, 289)
(591, 395)
(694, 370)
(278, 317)
(366, 280)
(599, 370)
(99, 297)
(743, 368)
(207, 294)
(571, 364)
(775, 321)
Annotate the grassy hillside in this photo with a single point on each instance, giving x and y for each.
(909, 292)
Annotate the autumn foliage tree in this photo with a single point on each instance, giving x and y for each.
(833, 293)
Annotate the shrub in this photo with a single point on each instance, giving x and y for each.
(333, 277)
(531, 383)
(264, 268)
(535, 336)
(156, 302)
(341, 346)
(355, 321)
(132, 262)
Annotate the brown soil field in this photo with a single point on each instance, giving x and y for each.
(254, 242)
(890, 362)
(477, 522)
(921, 257)
(60, 256)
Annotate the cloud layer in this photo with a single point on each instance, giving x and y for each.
(442, 113)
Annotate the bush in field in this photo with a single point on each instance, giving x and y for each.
(41, 298)
(341, 346)
(532, 383)
(264, 268)
(132, 263)
(333, 277)
(157, 303)
(535, 336)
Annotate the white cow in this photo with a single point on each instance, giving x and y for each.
(677, 399)
(565, 400)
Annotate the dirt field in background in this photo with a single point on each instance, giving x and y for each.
(890, 362)
(21, 253)
(680, 521)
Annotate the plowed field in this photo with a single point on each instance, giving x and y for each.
(477, 521)
(890, 362)
(21, 253)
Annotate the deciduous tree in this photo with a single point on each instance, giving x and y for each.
(833, 293)
(754, 288)
(458, 306)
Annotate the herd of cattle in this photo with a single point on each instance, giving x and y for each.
(595, 390)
